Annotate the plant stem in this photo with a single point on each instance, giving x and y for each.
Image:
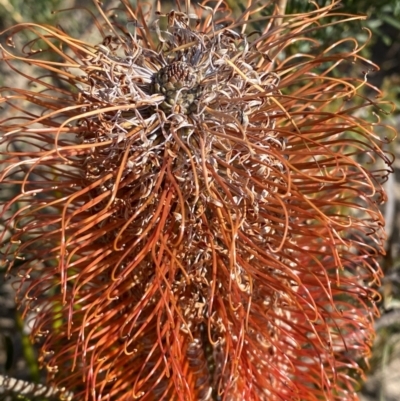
(281, 7)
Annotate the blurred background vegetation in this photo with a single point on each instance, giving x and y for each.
(18, 357)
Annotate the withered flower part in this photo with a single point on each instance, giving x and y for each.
(192, 220)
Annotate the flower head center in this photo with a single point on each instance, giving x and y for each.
(179, 83)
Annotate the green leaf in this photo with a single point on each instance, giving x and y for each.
(391, 21)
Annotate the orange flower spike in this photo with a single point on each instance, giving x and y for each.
(193, 222)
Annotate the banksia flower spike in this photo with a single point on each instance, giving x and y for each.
(193, 221)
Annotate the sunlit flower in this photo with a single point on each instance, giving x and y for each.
(193, 219)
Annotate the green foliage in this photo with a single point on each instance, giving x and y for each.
(16, 11)
(378, 13)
